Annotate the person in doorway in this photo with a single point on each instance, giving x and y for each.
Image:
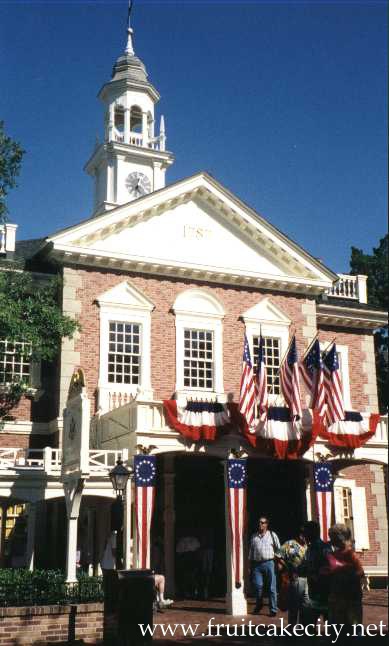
(345, 574)
(292, 556)
(264, 549)
(188, 560)
(315, 603)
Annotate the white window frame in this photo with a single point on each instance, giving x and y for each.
(34, 386)
(343, 351)
(198, 309)
(125, 304)
(267, 319)
(359, 509)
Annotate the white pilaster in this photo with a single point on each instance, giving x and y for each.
(73, 495)
(127, 526)
(169, 525)
(236, 603)
(31, 523)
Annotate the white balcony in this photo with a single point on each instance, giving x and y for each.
(350, 287)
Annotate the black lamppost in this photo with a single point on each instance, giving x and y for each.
(119, 477)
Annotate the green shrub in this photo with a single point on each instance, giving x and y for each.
(46, 587)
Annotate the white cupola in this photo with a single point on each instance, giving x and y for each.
(133, 159)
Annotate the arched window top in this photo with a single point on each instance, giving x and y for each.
(136, 119)
(198, 302)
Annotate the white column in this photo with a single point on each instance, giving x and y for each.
(31, 523)
(73, 494)
(71, 550)
(169, 522)
(127, 120)
(111, 122)
(145, 130)
(236, 603)
(127, 526)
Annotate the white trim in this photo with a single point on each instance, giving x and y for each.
(268, 319)
(359, 511)
(199, 309)
(126, 304)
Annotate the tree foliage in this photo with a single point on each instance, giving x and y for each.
(375, 267)
(30, 312)
(11, 154)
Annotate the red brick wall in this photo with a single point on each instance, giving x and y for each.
(364, 478)
(45, 624)
(163, 293)
(353, 339)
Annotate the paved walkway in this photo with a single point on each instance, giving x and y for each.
(198, 613)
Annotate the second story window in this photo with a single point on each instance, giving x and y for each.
(198, 359)
(124, 353)
(15, 361)
(272, 347)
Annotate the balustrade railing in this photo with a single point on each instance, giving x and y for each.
(350, 287)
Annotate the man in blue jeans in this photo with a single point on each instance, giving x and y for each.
(264, 546)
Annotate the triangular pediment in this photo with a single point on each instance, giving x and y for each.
(125, 295)
(265, 312)
(194, 228)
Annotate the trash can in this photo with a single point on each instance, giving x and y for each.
(135, 606)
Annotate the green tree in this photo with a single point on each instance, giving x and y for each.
(11, 154)
(30, 312)
(375, 267)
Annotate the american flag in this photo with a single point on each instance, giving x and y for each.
(333, 386)
(312, 371)
(290, 381)
(145, 478)
(323, 485)
(236, 488)
(260, 380)
(247, 387)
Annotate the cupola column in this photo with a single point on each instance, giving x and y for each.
(127, 119)
(145, 130)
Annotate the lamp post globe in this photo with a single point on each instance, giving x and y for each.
(119, 476)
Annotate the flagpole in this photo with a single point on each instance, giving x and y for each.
(310, 346)
(329, 345)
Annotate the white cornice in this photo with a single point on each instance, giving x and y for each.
(123, 262)
(129, 151)
(332, 314)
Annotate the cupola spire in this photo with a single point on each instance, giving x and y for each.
(130, 46)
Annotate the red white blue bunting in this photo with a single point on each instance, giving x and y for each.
(282, 437)
(352, 432)
(197, 420)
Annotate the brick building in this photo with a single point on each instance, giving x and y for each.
(165, 281)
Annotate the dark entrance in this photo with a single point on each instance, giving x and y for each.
(276, 489)
(199, 503)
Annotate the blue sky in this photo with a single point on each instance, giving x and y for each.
(282, 102)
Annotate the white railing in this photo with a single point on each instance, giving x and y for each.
(105, 460)
(113, 397)
(381, 434)
(49, 460)
(351, 287)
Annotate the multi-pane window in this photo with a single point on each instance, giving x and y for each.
(198, 359)
(124, 353)
(15, 360)
(272, 350)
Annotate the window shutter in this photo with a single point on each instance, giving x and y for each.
(361, 526)
(338, 504)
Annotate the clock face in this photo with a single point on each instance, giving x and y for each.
(138, 184)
